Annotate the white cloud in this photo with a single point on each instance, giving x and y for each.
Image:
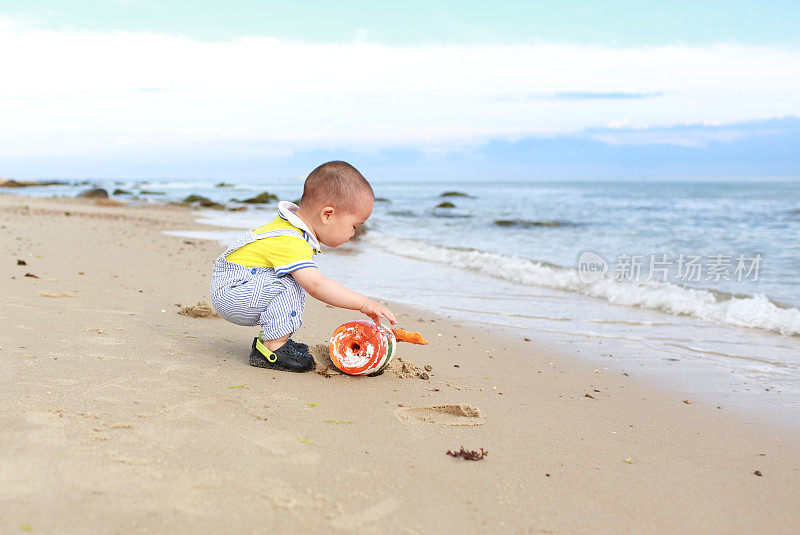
(90, 92)
(619, 123)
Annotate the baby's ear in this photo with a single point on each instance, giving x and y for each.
(327, 212)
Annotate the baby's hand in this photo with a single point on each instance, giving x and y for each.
(376, 311)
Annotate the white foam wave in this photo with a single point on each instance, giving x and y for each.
(755, 311)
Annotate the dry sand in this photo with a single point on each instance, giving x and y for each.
(120, 415)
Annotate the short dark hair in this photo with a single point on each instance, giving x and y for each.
(337, 184)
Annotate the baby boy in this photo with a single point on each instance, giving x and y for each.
(262, 279)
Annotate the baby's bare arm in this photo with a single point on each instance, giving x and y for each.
(331, 292)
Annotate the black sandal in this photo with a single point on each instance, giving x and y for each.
(300, 346)
(285, 358)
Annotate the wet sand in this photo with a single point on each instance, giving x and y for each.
(118, 414)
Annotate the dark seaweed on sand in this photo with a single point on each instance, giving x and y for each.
(469, 455)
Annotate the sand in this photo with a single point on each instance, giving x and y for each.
(120, 415)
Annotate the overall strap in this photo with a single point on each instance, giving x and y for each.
(243, 240)
(279, 232)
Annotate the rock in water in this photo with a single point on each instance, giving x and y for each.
(94, 193)
(262, 198)
(524, 223)
(205, 202)
(11, 183)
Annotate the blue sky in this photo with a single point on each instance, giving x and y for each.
(247, 89)
(414, 22)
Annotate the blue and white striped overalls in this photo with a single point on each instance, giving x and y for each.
(257, 295)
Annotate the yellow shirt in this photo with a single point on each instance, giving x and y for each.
(283, 253)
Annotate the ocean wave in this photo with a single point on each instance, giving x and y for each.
(754, 311)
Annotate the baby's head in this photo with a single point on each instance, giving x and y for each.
(336, 199)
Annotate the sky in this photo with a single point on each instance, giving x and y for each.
(243, 89)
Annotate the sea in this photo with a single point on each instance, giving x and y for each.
(690, 282)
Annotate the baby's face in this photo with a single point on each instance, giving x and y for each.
(341, 226)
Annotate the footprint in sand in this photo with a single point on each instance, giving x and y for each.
(443, 414)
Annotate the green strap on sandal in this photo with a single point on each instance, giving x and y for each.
(269, 355)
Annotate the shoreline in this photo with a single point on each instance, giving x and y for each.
(744, 369)
(120, 414)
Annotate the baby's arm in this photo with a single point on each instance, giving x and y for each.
(331, 292)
